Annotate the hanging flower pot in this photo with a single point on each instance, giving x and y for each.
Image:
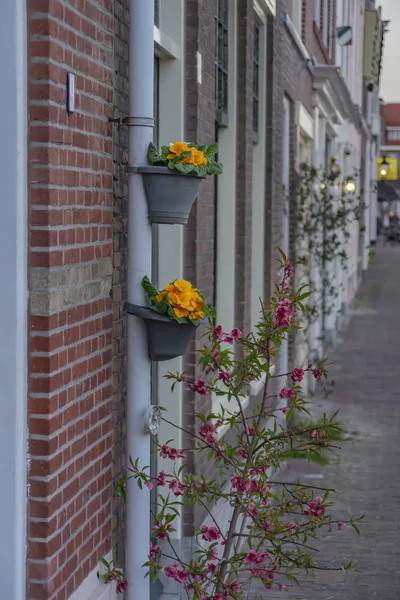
(170, 194)
(173, 179)
(172, 319)
(167, 339)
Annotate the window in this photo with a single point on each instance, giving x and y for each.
(318, 12)
(256, 77)
(325, 24)
(222, 62)
(297, 15)
(156, 99)
(156, 13)
(393, 134)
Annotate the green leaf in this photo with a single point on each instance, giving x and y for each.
(153, 156)
(149, 288)
(185, 169)
(104, 562)
(211, 150)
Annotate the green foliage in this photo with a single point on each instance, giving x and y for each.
(187, 162)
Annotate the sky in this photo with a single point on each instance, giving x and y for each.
(390, 84)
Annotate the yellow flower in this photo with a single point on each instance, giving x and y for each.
(177, 148)
(181, 312)
(198, 158)
(160, 296)
(175, 299)
(195, 316)
(186, 300)
(182, 285)
(168, 288)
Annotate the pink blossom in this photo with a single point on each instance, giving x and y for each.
(175, 572)
(283, 313)
(251, 430)
(233, 587)
(210, 534)
(285, 410)
(218, 333)
(266, 525)
(217, 597)
(256, 558)
(177, 487)
(149, 485)
(122, 586)
(173, 453)
(317, 373)
(228, 339)
(288, 270)
(298, 375)
(236, 333)
(286, 393)
(242, 485)
(312, 433)
(161, 479)
(199, 386)
(225, 376)
(212, 553)
(309, 366)
(315, 508)
(208, 431)
(253, 509)
(211, 567)
(282, 587)
(341, 526)
(154, 550)
(243, 453)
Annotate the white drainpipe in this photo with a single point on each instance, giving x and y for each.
(141, 67)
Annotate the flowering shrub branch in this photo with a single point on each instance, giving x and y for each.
(324, 212)
(272, 523)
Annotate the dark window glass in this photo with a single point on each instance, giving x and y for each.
(256, 78)
(222, 61)
(156, 13)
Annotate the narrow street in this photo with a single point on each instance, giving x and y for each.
(366, 370)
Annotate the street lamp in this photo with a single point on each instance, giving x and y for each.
(384, 167)
(349, 185)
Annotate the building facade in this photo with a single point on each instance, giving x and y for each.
(275, 85)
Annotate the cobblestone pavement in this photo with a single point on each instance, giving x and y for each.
(367, 373)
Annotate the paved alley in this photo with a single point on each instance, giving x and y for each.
(366, 369)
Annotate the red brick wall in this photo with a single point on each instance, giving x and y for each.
(70, 270)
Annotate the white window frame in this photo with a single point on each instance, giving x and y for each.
(226, 192)
(297, 15)
(169, 38)
(258, 178)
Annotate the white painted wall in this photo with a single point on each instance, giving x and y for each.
(14, 299)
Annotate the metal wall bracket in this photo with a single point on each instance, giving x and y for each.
(132, 121)
(153, 421)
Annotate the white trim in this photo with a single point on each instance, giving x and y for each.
(258, 186)
(304, 120)
(226, 208)
(92, 588)
(394, 148)
(165, 46)
(14, 300)
(296, 37)
(170, 238)
(269, 5)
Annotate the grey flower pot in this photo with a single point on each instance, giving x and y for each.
(167, 339)
(170, 194)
